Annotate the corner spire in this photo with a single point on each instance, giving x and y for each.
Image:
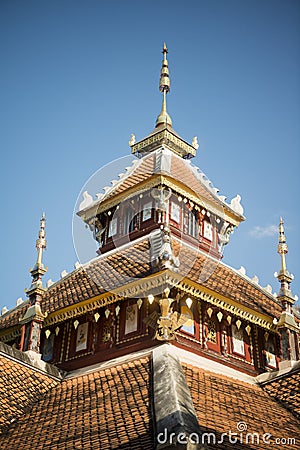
(33, 318)
(41, 242)
(287, 326)
(38, 270)
(284, 277)
(164, 87)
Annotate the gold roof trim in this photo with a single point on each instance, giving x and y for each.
(80, 308)
(165, 136)
(134, 289)
(226, 304)
(184, 191)
(116, 199)
(152, 283)
(10, 334)
(154, 181)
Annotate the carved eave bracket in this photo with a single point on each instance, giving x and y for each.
(224, 234)
(33, 313)
(287, 320)
(162, 254)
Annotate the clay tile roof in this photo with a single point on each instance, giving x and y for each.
(21, 385)
(222, 403)
(286, 391)
(224, 280)
(12, 316)
(177, 168)
(100, 276)
(185, 172)
(140, 171)
(119, 268)
(105, 409)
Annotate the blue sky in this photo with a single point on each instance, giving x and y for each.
(78, 77)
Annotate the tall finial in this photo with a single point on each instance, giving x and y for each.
(41, 242)
(287, 326)
(38, 270)
(164, 87)
(284, 277)
(33, 318)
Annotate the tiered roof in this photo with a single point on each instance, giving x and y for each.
(121, 404)
(103, 280)
(162, 166)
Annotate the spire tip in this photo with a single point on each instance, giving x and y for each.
(164, 87)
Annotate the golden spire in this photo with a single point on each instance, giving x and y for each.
(164, 87)
(41, 242)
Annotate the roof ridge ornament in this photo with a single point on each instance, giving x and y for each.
(164, 87)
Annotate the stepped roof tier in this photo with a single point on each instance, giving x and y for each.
(127, 271)
(163, 167)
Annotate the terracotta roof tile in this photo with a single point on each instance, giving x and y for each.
(225, 281)
(102, 275)
(286, 390)
(112, 409)
(222, 403)
(20, 387)
(178, 169)
(123, 266)
(105, 409)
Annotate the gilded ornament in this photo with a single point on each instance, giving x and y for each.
(238, 324)
(47, 333)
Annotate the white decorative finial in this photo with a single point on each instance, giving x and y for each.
(132, 140)
(242, 270)
(77, 265)
(19, 301)
(235, 204)
(255, 279)
(87, 200)
(4, 310)
(195, 143)
(49, 283)
(268, 288)
(63, 273)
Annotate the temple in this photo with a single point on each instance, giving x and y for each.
(154, 343)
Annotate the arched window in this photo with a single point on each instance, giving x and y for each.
(128, 216)
(189, 325)
(211, 334)
(238, 344)
(207, 230)
(130, 220)
(270, 351)
(113, 227)
(192, 223)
